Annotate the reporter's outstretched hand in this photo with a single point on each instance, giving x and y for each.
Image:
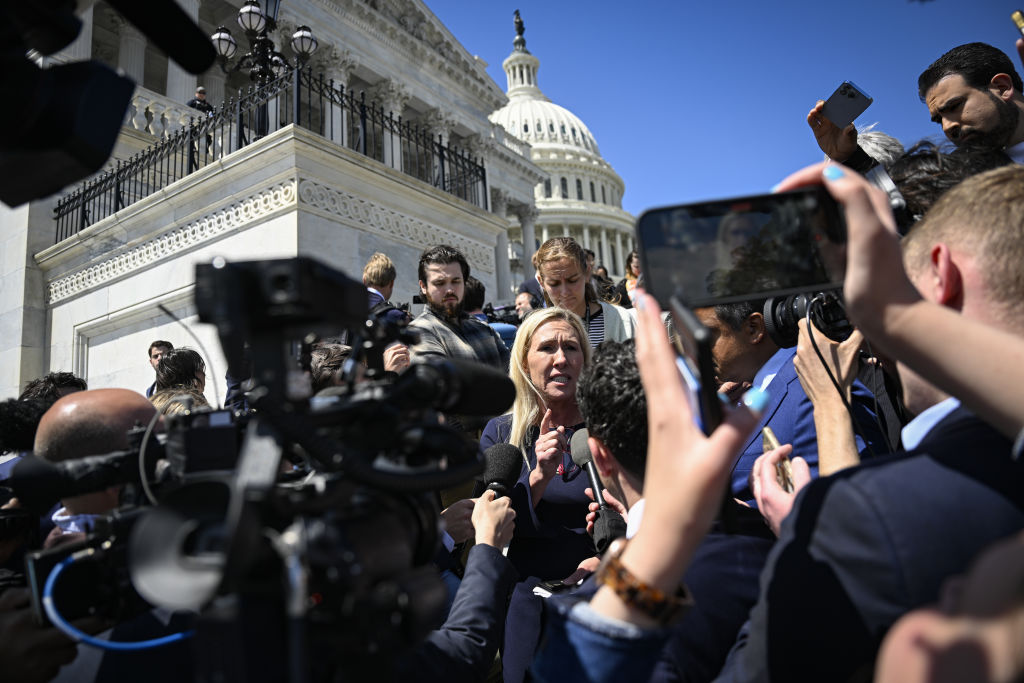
(593, 507)
(841, 358)
(29, 653)
(838, 143)
(773, 501)
(686, 470)
(458, 520)
(493, 519)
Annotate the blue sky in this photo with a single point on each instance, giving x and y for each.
(692, 101)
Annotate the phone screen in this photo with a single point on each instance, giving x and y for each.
(744, 248)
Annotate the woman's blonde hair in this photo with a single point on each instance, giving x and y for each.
(556, 249)
(528, 408)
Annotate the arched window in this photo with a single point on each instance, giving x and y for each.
(593, 197)
(604, 199)
(547, 188)
(526, 128)
(579, 189)
(563, 128)
(565, 188)
(551, 127)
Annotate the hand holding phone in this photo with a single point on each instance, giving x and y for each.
(846, 104)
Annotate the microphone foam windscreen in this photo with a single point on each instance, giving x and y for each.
(503, 463)
(580, 449)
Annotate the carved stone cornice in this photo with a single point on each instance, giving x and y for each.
(290, 194)
(393, 224)
(211, 226)
(437, 50)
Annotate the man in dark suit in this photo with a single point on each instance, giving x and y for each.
(745, 355)
(379, 279)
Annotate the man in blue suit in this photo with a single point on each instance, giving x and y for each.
(745, 355)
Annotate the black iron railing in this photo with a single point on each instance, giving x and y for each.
(299, 97)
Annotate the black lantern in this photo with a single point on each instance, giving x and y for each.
(262, 61)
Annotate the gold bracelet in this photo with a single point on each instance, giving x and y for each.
(653, 602)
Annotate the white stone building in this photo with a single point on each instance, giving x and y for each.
(581, 194)
(92, 300)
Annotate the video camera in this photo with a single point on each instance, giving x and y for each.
(301, 532)
(502, 314)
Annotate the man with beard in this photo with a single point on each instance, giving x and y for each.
(972, 91)
(444, 328)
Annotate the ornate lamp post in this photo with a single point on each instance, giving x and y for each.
(262, 61)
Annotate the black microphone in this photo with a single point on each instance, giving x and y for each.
(609, 524)
(39, 484)
(582, 456)
(455, 386)
(503, 465)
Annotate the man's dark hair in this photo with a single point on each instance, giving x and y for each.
(178, 368)
(48, 387)
(19, 420)
(442, 254)
(612, 401)
(734, 315)
(976, 62)
(159, 343)
(475, 293)
(326, 359)
(927, 171)
(590, 253)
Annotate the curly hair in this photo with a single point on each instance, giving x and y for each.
(612, 401)
(48, 387)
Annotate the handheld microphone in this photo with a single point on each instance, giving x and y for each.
(609, 524)
(582, 456)
(503, 465)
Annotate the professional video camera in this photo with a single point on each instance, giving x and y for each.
(312, 571)
(502, 314)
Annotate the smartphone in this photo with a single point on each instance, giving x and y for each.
(743, 248)
(783, 470)
(693, 346)
(846, 104)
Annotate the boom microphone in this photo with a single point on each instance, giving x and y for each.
(455, 386)
(608, 524)
(504, 463)
(38, 484)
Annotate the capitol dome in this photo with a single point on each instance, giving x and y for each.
(582, 196)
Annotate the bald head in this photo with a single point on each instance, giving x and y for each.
(90, 423)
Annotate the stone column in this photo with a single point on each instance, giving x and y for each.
(439, 126)
(131, 53)
(502, 268)
(337, 67)
(544, 236)
(181, 85)
(565, 230)
(392, 96)
(604, 249)
(586, 237)
(527, 217)
(618, 249)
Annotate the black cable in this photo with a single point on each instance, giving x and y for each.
(817, 301)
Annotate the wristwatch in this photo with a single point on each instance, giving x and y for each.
(656, 604)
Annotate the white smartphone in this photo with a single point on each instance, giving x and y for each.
(846, 104)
